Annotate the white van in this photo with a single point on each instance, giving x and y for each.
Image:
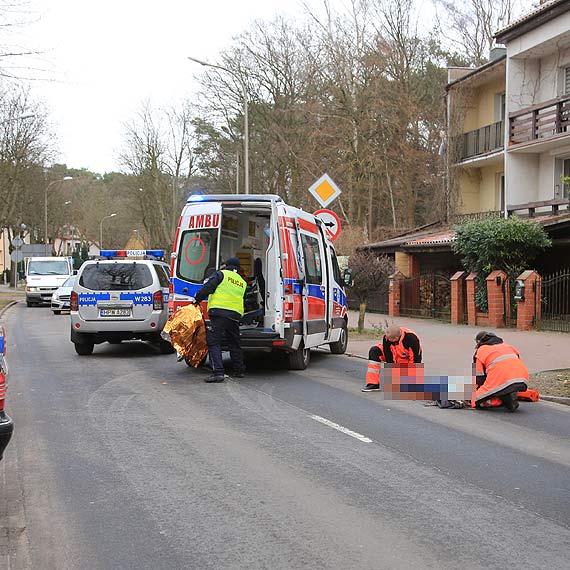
(44, 275)
(296, 299)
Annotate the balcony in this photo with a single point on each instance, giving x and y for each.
(540, 123)
(480, 141)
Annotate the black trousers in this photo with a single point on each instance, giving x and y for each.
(220, 329)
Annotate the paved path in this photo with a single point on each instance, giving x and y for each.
(448, 349)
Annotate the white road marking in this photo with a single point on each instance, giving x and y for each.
(342, 429)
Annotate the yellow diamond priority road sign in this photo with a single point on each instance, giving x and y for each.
(325, 190)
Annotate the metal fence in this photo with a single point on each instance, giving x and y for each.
(555, 301)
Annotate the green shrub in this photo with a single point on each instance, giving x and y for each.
(510, 244)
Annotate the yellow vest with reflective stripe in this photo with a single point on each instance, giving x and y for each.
(229, 293)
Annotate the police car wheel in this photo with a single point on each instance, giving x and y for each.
(340, 346)
(299, 359)
(84, 348)
(56, 312)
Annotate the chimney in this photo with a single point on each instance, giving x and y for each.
(497, 52)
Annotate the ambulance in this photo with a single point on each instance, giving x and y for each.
(295, 299)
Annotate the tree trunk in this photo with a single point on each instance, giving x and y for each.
(361, 314)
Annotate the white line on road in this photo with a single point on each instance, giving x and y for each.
(342, 429)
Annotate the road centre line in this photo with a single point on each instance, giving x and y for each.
(341, 429)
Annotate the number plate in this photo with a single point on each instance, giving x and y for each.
(115, 312)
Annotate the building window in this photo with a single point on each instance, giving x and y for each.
(502, 192)
(566, 175)
(567, 81)
(500, 106)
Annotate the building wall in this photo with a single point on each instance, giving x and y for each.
(489, 193)
(479, 189)
(522, 180)
(481, 110)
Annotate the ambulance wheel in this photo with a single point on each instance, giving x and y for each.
(299, 360)
(340, 346)
(84, 348)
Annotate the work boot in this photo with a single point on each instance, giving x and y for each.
(371, 387)
(239, 374)
(215, 378)
(511, 402)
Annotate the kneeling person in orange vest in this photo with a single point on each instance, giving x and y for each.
(399, 346)
(499, 373)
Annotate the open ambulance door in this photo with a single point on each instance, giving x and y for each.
(197, 248)
(315, 286)
(274, 309)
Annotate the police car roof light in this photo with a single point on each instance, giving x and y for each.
(146, 253)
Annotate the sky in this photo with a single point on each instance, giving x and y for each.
(105, 58)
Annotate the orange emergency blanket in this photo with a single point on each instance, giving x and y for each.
(187, 332)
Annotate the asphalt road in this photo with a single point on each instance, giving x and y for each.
(127, 460)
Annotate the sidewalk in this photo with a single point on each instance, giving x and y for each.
(448, 349)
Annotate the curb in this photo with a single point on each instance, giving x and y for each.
(556, 399)
(11, 304)
(353, 355)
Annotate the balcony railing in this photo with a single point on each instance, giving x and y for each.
(481, 141)
(541, 121)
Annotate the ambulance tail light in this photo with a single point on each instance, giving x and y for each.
(288, 309)
(2, 390)
(157, 301)
(74, 301)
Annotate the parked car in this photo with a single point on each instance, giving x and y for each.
(6, 423)
(122, 296)
(61, 297)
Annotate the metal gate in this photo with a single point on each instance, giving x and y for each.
(555, 301)
(510, 305)
(426, 296)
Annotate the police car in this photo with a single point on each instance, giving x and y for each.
(121, 296)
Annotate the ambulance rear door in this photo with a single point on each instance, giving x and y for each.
(315, 281)
(197, 248)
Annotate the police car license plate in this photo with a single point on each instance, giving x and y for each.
(115, 312)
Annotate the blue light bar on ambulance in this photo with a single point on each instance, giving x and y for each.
(112, 253)
(196, 198)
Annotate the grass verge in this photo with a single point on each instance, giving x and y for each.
(551, 383)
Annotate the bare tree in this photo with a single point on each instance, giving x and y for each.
(470, 24)
(369, 273)
(161, 161)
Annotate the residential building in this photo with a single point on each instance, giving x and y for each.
(538, 103)
(508, 142)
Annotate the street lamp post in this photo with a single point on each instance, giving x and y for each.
(245, 116)
(46, 240)
(101, 229)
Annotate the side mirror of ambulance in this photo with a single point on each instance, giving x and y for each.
(347, 277)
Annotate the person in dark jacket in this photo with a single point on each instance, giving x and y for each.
(225, 290)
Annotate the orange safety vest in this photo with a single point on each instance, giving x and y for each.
(400, 354)
(503, 367)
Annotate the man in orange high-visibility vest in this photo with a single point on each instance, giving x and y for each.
(399, 346)
(499, 372)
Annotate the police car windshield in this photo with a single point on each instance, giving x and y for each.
(52, 267)
(116, 277)
(197, 254)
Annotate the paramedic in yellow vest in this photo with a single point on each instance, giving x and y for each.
(225, 290)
